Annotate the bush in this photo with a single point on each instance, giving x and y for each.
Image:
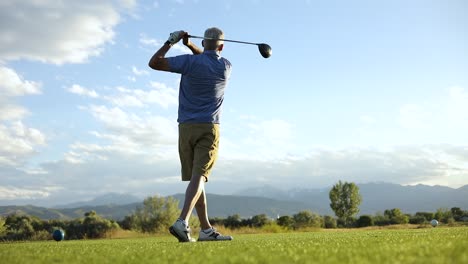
(444, 215)
(364, 221)
(233, 221)
(285, 221)
(260, 220)
(329, 222)
(307, 219)
(417, 220)
(155, 215)
(428, 216)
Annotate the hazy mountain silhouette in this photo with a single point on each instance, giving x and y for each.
(106, 199)
(376, 197)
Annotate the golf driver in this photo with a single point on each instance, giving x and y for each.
(264, 49)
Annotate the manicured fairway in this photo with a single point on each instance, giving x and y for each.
(429, 245)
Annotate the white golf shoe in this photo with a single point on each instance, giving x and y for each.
(181, 231)
(213, 235)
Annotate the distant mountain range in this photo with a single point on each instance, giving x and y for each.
(272, 201)
(376, 197)
(106, 199)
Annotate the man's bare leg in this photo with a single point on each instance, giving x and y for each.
(202, 211)
(192, 194)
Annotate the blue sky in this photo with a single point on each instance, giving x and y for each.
(362, 91)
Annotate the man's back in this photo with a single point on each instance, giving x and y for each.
(204, 78)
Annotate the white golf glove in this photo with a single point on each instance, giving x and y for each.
(175, 36)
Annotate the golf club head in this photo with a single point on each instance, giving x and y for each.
(265, 50)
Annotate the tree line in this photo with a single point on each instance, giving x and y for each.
(157, 213)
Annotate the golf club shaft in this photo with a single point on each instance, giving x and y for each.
(228, 40)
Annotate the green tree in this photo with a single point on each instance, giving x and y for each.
(94, 226)
(3, 227)
(156, 214)
(260, 220)
(365, 220)
(19, 227)
(285, 221)
(345, 200)
(444, 215)
(457, 213)
(329, 221)
(428, 216)
(396, 216)
(233, 221)
(307, 219)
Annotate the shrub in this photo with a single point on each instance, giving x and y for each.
(285, 221)
(329, 222)
(364, 221)
(307, 219)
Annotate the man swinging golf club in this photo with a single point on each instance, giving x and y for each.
(201, 93)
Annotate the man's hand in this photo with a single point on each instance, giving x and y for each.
(186, 39)
(175, 36)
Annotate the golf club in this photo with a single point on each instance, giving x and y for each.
(264, 49)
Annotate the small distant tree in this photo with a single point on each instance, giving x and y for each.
(417, 220)
(365, 220)
(3, 227)
(285, 221)
(345, 200)
(19, 227)
(428, 216)
(94, 226)
(307, 219)
(156, 214)
(444, 215)
(233, 221)
(396, 216)
(329, 221)
(457, 213)
(260, 220)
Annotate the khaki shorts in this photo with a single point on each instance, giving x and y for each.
(198, 149)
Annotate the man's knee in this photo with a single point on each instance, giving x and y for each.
(199, 178)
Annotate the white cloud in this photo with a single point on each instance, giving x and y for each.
(17, 140)
(93, 169)
(12, 84)
(10, 192)
(154, 43)
(128, 4)
(138, 72)
(57, 31)
(80, 90)
(12, 112)
(148, 136)
(160, 94)
(322, 167)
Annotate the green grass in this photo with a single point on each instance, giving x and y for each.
(428, 245)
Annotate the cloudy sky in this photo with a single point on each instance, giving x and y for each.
(362, 91)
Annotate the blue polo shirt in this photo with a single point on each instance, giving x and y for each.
(201, 92)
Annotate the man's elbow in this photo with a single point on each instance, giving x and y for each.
(153, 65)
(159, 64)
